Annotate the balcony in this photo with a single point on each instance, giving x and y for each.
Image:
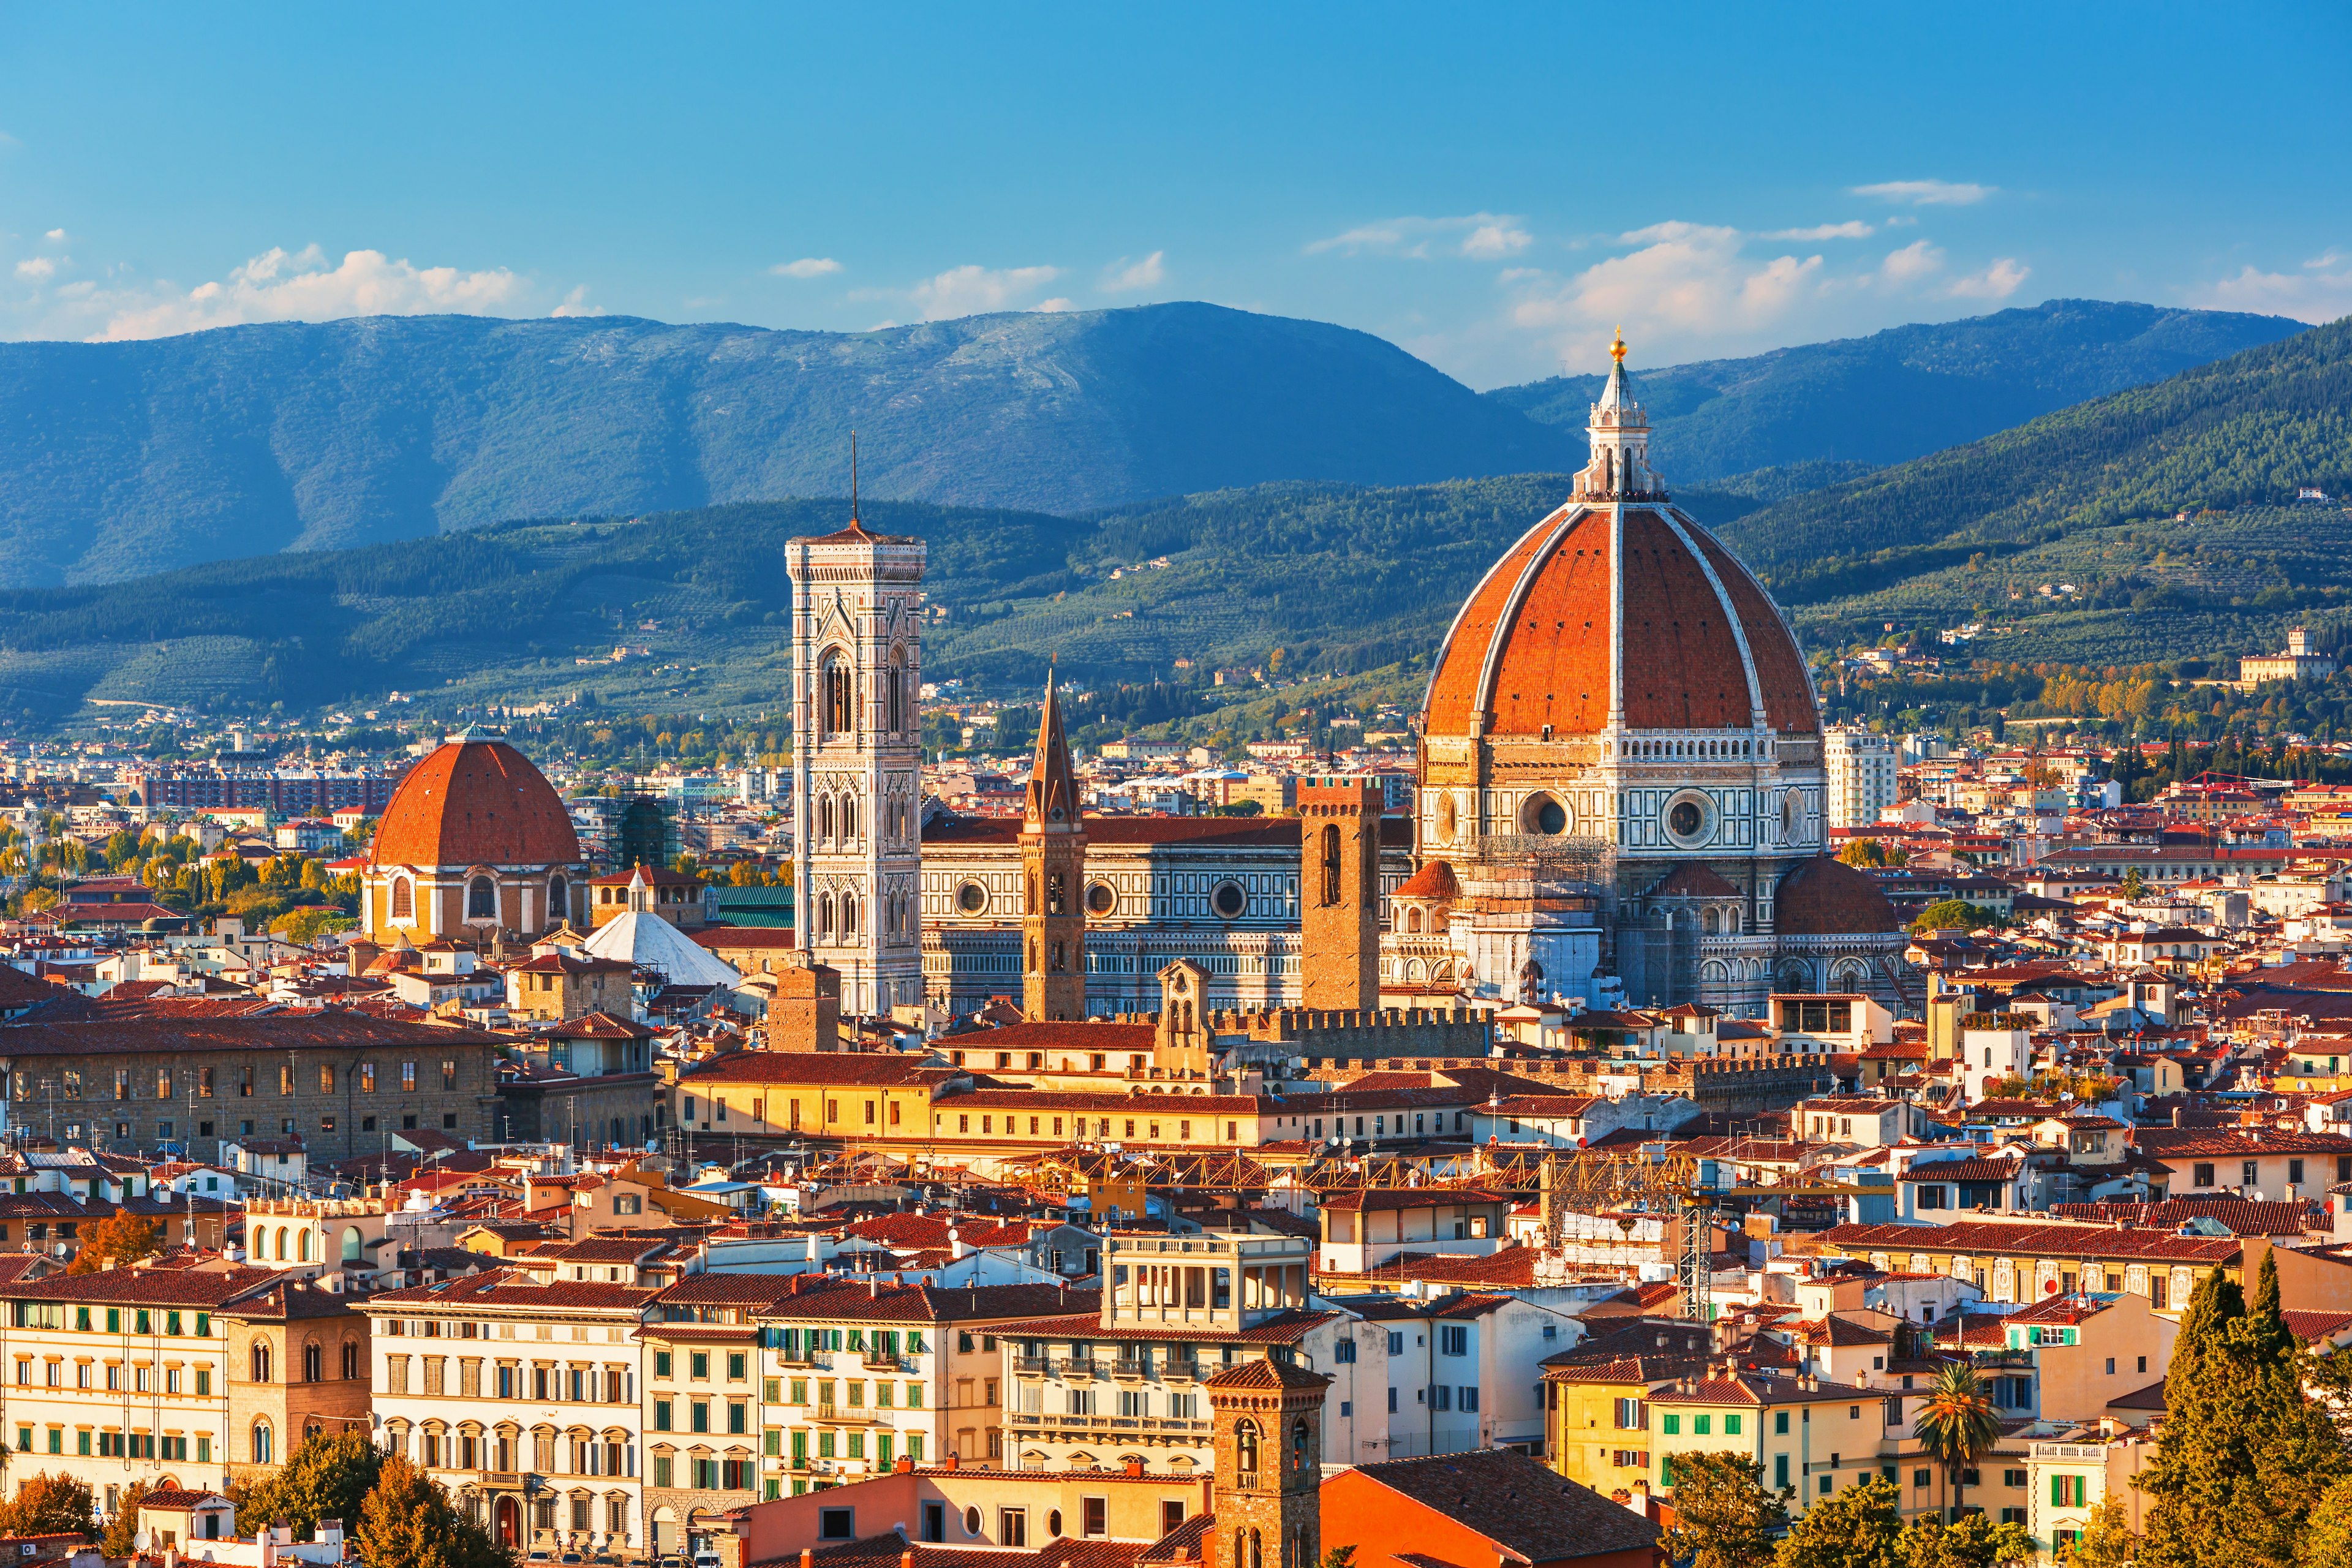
(1181, 1371)
(1173, 1425)
(1082, 1371)
(876, 1362)
(499, 1480)
(1130, 1371)
(823, 1360)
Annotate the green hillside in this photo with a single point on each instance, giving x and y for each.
(118, 459)
(1905, 391)
(2247, 432)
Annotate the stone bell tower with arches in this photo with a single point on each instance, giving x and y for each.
(1266, 1427)
(857, 760)
(1053, 879)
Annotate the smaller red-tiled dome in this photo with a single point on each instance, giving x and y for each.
(1823, 897)
(474, 803)
(1435, 881)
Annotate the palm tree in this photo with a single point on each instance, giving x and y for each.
(1958, 1425)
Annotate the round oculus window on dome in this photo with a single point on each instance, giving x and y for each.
(1229, 902)
(971, 899)
(1100, 899)
(1543, 815)
(1792, 816)
(1688, 819)
(1445, 816)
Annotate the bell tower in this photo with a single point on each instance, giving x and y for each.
(1340, 887)
(1265, 1421)
(1053, 877)
(858, 762)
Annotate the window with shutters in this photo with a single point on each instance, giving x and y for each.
(434, 1375)
(469, 1379)
(396, 1374)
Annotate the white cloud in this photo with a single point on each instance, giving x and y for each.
(279, 286)
(1927, 193)
(1480, 237)
(36, 268)
(1997, 281)
(2320, 290)
(576, 304)
(1915, 260)
(972, 291)
(1850, 231)
(807, 266)
(1124, 276)
(1683, 279)
(55, 236)
(1054, 305)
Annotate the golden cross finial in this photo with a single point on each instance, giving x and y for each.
(1617, 348)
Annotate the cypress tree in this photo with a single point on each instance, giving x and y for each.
(2297, 1455)
(2195, 1474)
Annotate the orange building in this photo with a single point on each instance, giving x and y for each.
(474, 843)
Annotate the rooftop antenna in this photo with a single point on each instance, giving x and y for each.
(853, 479)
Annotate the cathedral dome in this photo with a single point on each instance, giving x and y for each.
(1826, 897)
(1618, 606)
(474, 803)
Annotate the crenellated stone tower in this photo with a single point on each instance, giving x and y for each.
(1340, 887)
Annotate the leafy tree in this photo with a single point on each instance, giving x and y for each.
(1972, 1541)
(1340, 1557)
(2135, 886)
(49, 1505)
(1957, 1424)
(408, 1522)
(2327, 1541)
(1724, 1517)
(2106, 1541)
(1860, 1527)
(121, 1537)
(326, 1477)
(1946, 914)
(122, 1239)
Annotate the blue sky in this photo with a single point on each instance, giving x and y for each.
(1493, 186)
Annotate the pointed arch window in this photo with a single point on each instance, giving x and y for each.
(897, 691)
(840, 702)
(825, 917)
(848, 916)
(1331, 864)
(848, 817)
(824, 819)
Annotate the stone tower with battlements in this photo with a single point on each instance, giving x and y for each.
(1053, 879)
(1266, 1423)
(1339, 888)
(857, 761)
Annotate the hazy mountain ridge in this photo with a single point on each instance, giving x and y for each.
(124, 458)
(1904, 392)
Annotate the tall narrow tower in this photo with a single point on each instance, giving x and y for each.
(1339, 888)
(1266, 1427)
(857, 760)
(1053, 879)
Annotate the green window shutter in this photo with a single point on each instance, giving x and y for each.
(1666, 1470)
(1673, 1427)
(1731, 1425)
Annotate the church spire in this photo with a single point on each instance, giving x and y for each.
(1052, 799)
(1620, 432)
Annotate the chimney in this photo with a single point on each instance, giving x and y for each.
(954, 1460)
(808, 1558)
(905, 1466)
(1135, 1469)
(906, 1558)
(2179, 1115)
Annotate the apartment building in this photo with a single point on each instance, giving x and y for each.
(1862, 775)
(119, 1377)
(1465, 1371)
(1123, 1384)
(1813, 1439)
(1596, 1398)
(521, 1397)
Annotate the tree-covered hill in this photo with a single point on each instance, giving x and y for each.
(118, 459)
(1906, 390)
(2252, 429)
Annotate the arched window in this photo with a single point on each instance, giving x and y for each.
(349, 1367)
(1331, 864)
(848, 916)
(1246, 1447)
(848, 817)
(1298, 1444)
(265, 1451)
(1058, 893)
(261, 1361)
(839, 704)
(559, 900)
(352, 1243)
(1412, 921)
(313, 1363)
(897, 689)
(403, 906)
(481, 900)
(301, 1245)
(1032, 906)
(825, 917)
(824, 819)
(1256, 1550)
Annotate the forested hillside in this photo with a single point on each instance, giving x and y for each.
(1905, 391)
(121, 458)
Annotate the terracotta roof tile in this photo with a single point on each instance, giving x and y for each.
(474, 803)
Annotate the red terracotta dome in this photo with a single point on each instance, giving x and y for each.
(1536, 645)
(1434, 880)
(1825, 896)
(474, 803)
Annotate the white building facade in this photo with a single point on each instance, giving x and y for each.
(1861, 775)
(857, 773)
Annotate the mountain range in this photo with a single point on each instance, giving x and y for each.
(121, 459)
(1904, 392)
